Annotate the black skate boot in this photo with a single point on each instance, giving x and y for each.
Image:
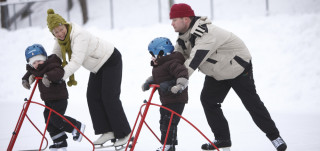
(77, 135)
(279, 144)
(61, 146)
(221, 144)
(167, 148)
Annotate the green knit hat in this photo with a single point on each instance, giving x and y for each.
(54, 20)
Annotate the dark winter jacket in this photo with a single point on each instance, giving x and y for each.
(53, 69)
(171, 67)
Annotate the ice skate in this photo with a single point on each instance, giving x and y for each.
(279, 144)
(59, 146)
(222, 145)
(122, 141)
(104, 138)
(77, 135)
(167, 148)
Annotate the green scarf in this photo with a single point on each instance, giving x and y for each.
(65, 46)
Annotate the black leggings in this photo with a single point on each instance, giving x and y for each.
(103, 96)
(58, 126)
(165, 116)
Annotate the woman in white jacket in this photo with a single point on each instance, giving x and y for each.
(104, 62)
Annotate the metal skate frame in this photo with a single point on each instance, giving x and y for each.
(23, 114)
(142, 121)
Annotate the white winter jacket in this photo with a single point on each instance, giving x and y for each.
(88, 51)
(213, 50)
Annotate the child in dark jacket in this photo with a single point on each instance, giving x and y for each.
(172, 76)
(53, 92)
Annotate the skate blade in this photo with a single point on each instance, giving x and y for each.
(220, 149)
(104, 142)
(117, 148)
(225, 149)
(59, 149)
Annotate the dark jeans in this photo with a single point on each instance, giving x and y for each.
(58, 126)
(165, 116)
(103, 96)
(214, 93)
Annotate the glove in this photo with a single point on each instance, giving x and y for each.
(26, 84)
(46, 81)
(166, 86)
(31, 79)
(182, 83)
(145, 85)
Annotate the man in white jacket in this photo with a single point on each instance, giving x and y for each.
(226, 62)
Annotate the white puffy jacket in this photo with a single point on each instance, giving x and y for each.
(88, 51)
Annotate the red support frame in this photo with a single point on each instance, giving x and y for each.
(23, 114)
(142, 121)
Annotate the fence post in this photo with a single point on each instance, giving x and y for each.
(267, 7)
(14, 14)
(159, 10)
(211, 9)
(111, 13)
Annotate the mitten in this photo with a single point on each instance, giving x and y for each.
(182, 83)
(166, 86)
(46, 82)
(31, 79)
(26, 84)
(145, 85)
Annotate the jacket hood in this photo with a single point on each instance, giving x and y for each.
(52, 61)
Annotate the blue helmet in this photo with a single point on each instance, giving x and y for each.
(35, 49)
(160, 46)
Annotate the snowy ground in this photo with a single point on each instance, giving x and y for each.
(285, 49)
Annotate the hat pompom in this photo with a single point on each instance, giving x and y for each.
(50, 11)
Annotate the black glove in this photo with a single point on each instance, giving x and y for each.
(165, 86)
(145, 85)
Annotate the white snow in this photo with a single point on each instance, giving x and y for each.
(285, 48)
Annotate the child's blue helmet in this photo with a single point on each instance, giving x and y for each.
(160, 46)
(35, 49)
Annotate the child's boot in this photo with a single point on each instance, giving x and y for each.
(76, 134)
(279, 144)
(61, 146)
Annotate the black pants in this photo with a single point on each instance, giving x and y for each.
(214, 93)
(58, 126)
(103, 96)
(165, 116)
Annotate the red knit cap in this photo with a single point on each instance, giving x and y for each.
(181, 10)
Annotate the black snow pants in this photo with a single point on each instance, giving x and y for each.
(58, 126)
(165, 116)
(214, 93)
(103, 96)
